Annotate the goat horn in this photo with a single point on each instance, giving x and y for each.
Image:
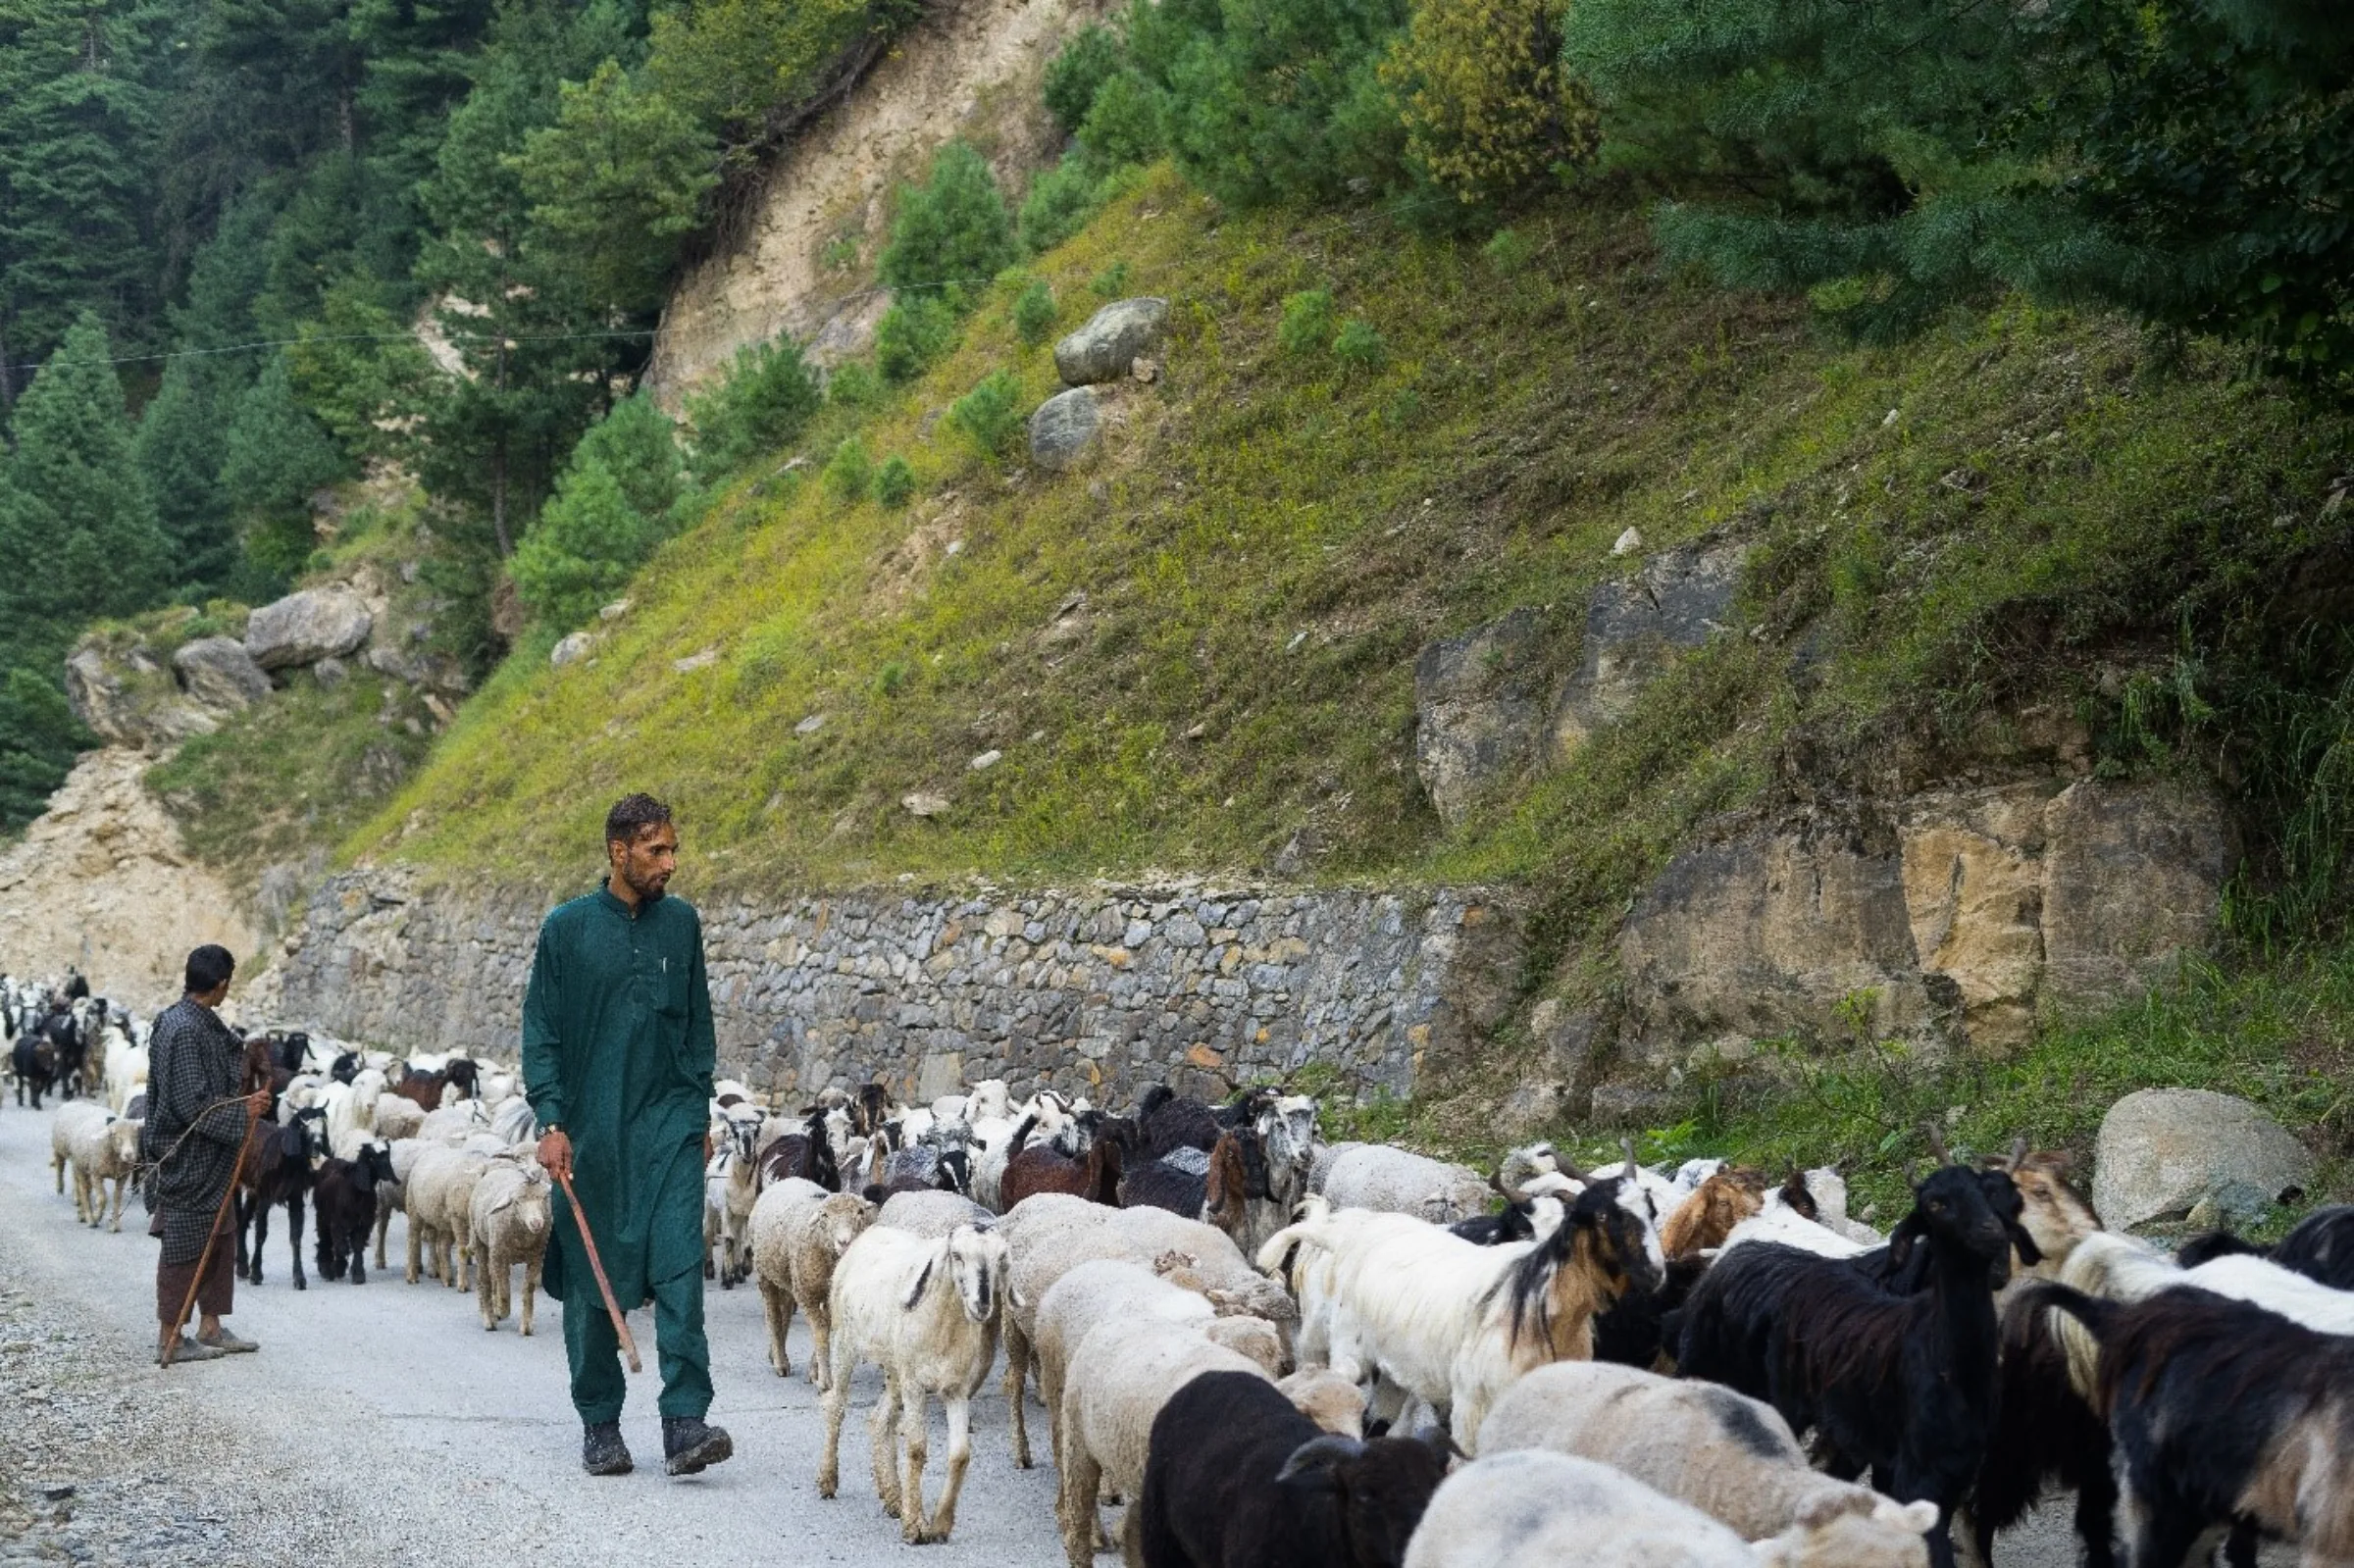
(1629, 1143)
(1936, 1143)
(2018, 1150)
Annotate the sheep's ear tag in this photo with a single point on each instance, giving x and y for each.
(917, 1294)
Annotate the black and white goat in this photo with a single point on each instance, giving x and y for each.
(1901, 1384)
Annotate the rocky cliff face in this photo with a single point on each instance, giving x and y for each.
(102, 882)
(1099, 991)
(970, 68)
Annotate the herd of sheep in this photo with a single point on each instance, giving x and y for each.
(1273, 1350)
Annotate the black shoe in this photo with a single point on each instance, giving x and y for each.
(603, 1452)
(690, 1447)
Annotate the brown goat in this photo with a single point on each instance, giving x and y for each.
(1227, 1204)
(2054, 1214)
(1094, 1175)
(1705, 1218)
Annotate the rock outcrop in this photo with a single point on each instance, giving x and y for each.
(1479, 705)
(1638, 626)
(308, 626)
(1106, 347)
(102, 882)
(1966, 914)
(127, 696)
(2162, 1152)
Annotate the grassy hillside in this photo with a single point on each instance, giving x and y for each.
(1274, 535)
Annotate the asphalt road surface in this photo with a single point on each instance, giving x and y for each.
(380, 1424)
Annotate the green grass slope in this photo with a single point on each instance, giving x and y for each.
(1205, 646)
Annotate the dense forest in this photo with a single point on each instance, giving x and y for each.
(251, 250)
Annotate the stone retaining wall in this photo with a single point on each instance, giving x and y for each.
(1080, 989)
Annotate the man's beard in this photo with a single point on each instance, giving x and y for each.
(645, 895)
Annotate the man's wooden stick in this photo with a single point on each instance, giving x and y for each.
(236, 1174)
(621, 1325)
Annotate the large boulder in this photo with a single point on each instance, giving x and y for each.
(1064, 430)
(1106, 347)
(1479, 708)
(1638, 626)
(2162, 1151)
(303, 628)
(220, 674)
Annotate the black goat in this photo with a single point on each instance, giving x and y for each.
(2321, 1247)
(1634, 1331)
(2224, 1417)
(278, 1171)
(345, 1067)
(72, 1047)
(1236, 1478)
(807, 1154)
(34, 1062)
(1162, 1185)
(2044, 1434)
(1880, 1265)
(1901, 1384)
(343, 1201)
(1166, 1120)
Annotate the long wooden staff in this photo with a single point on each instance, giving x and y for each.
(236, 1174)
(621, 1325)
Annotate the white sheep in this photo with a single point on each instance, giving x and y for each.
(1115, 1380)
(1452, 1323)
(103, 1149)
(1733, 1458)
(1330, 1401)
(1052, 1232)
(1115, 1288)
(509, 1217)
(396, 1119)
(436, 1196)
(126, 1070)
(1538, 1509)
(799, 1232)
(926, 1312)
(1396, 1181)
(66, 1124)
(1779, 1222)
(933, 1214)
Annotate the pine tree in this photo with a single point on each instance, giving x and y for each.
(80, 531)
(38, 738)
(179, 451)
(274, 457)
(952, 230)
(79, 132)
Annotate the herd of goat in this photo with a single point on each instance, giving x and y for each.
(1279, 1351)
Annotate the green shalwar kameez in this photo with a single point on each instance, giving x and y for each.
(618, 1050)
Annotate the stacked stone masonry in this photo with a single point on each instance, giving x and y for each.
(1101, 992)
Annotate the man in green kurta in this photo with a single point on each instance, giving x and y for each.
(617, 1059)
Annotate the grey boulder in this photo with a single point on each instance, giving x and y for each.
(220, 674)
(1106, 347)
(306, 627)
(1064, 430)
(1479, 708)
(2164, 1152)
(573, 647)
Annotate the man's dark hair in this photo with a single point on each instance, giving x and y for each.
(209, 968)
(631, 815)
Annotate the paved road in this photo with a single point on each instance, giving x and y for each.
(380, 1424)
